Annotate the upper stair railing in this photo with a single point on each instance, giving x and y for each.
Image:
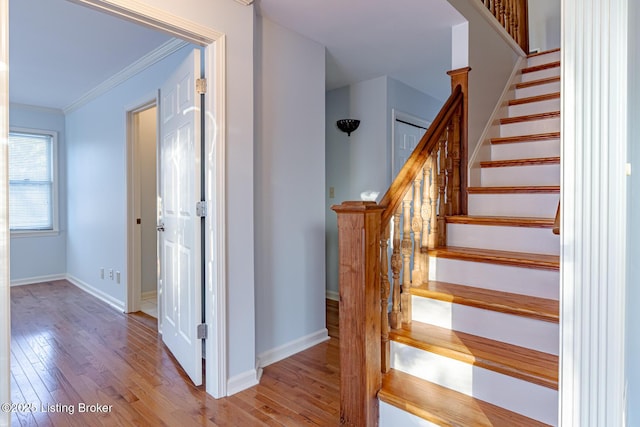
(430, 186)
(513, 16)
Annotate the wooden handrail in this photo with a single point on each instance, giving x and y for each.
(430, 186)
(393, 197)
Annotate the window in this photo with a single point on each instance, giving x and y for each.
(32, 181)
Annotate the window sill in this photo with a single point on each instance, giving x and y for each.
(38, 233)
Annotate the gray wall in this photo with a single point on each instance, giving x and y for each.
(544, 24)
(289, 190)
(362, 161)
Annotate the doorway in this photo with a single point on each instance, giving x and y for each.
(142, 124)
(407, 132)
(214, 43)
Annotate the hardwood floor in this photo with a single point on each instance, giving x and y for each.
(69, 349)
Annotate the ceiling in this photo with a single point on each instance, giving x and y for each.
(65, 50)
(409, 40)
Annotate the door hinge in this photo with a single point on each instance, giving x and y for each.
(201, 332)
(201, 208)
(201, 86)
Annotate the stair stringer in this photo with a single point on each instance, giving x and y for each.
(482, 152)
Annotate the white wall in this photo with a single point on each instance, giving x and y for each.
(633, 227)
(36, 258)
(544, 24)
(491, 60)
(363, 160)
(289, 189)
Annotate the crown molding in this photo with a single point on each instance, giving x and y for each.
(126, 73)
(36, 108)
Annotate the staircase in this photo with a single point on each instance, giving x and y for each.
(482, 345)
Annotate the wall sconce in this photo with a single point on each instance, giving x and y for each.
(348, 125)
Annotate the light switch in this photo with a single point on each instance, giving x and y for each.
(332, 192)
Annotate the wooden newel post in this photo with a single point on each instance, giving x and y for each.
(359, 252)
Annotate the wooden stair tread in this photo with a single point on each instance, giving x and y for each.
(508, 359)
(521, 162)
(537, 98)
(537, 82)
(489, 299)
(526, 138)
(517, 259)
(541, 67)
(533, 55)
(515, 190)
(530, 117)
(506, 221)
(442, 406)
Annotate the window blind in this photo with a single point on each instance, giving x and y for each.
(30, 181)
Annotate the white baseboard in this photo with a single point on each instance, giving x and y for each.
(291, 348)
(149, 295)
(38, 279)
(113, 302)
(242, 381)
(333, 295)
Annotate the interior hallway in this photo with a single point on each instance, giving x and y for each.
(69, 347)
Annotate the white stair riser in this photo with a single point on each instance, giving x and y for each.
(526, 150)
(504, 238)
(536, 90)
(390, 416)
(520, 175)
(537, 205)
(537, 107)
(505, 278)
(543, 59)
(517, 330)
(531, 127)
(528, 399)
(542, 74)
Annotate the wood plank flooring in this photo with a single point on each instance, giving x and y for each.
(69, 348)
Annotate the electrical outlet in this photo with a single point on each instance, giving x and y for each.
(102, 273)
(111, 273)
(117, 277)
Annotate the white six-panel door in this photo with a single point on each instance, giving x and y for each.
(179, 226)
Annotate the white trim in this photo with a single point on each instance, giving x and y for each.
(36, 108)
(134, 286)
(149, 295)
(91, 290)
(152, 17)
(126, 73)
(245, 2)
(5, 294)
(215, 296)
(215, 224)
(482, 151)
(242, 382)
(410, 118)
(289, 349)
(333, 295)
(488, 16)
(38, 279)
(593, 216)
(55, 226)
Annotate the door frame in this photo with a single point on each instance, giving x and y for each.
(214, 43)
(405, 117)
(134, 244)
